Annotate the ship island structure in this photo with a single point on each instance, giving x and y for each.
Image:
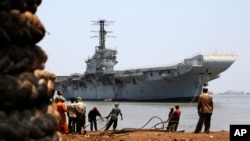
(182, 82)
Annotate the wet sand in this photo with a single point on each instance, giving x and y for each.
(146, 135)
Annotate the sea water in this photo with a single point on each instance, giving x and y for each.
(229, 109)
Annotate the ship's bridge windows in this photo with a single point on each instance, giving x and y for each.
(101, 55)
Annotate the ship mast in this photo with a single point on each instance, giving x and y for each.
(104, 59)
(102, 32)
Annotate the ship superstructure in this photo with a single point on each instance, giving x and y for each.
(182, 82)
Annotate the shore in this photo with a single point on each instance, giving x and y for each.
(146, 135)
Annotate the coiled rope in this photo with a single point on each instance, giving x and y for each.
(26, 112)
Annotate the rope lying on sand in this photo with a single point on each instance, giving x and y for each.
(162, 123)
(26, 112)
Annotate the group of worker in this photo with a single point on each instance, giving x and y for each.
(76, 112)
(173, 118)
(205, 109)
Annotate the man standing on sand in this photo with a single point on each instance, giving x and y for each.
(62, 109)
(169, 116)
(71, 116)
(174, 119)
(205, 110)
(114, 117)
(92, 118)
(80, 115)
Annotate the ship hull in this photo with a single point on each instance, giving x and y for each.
(159, 90)
(179, 83)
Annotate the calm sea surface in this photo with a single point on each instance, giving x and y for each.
(228, 109)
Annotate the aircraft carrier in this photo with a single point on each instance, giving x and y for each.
(182, 82)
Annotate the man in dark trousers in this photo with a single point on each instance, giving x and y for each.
(169, 117)
(205, 110)
(174, 119)
(92, 118)
(80, 115)
(113, 117)
(71, 115)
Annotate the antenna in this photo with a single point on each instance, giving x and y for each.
(102, 31)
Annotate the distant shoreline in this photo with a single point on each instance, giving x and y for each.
(233, 93)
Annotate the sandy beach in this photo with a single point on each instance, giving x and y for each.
(146, 135)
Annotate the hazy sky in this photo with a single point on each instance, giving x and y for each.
(149, 33)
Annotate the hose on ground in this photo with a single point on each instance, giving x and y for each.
(162, 123)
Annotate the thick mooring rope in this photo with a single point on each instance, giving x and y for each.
(155, 127)
(26, 112)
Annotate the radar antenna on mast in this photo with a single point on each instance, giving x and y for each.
(102, 32)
